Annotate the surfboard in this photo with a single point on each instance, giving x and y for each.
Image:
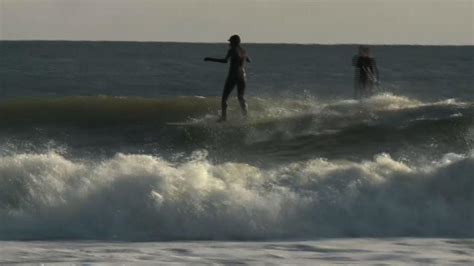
(213, 123)
(181, 124)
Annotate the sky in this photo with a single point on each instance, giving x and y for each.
(435, 22)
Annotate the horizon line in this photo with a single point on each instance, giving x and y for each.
(278, 43)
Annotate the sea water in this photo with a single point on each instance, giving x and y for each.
(110, 153)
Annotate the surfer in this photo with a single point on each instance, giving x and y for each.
(236, 76)
(366, 73)
(356, 73)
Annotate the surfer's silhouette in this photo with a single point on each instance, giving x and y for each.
(238, 56)
(366, 73)
(356, 73)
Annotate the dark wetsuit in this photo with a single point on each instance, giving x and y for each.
(367, 74)
(357, 91)
(236, 76)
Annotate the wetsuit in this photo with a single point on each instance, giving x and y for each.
(357, 89)
(236, 76)
(367, 74)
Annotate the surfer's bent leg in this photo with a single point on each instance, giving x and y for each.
(364, 90)
(229, 85)
(240, 94)
(371, 88)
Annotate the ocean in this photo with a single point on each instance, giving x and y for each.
(110, 153)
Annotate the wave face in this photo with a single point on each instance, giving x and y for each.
(122, 168)
(144, 197)
(283, 129)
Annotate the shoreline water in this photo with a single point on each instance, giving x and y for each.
(356, 251)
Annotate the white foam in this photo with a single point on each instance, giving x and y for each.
(142, 196)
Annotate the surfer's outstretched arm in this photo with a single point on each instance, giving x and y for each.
(218, 60)
(215, 60)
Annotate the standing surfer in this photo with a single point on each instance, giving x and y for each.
(366, 74)
(236, 76)
(355, 58)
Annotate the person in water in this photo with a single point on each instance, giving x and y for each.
(357, 89)
(236, 76)
(366, 73)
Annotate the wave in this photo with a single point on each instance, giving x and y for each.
(106, 110)
(145, 197)
(101, 110)
(280, 129)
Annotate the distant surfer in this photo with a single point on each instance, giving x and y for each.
(366, 74)
(356, 73)
(236, 76)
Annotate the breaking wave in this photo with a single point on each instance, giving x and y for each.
(145, 197)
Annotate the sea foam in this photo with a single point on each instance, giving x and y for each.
(144, 197)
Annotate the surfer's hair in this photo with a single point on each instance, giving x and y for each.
(234, 39)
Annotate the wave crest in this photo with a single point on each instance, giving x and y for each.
(143, 197)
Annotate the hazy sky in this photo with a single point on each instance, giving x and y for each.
(290, 21)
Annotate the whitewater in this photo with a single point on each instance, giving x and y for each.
(118, 159)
